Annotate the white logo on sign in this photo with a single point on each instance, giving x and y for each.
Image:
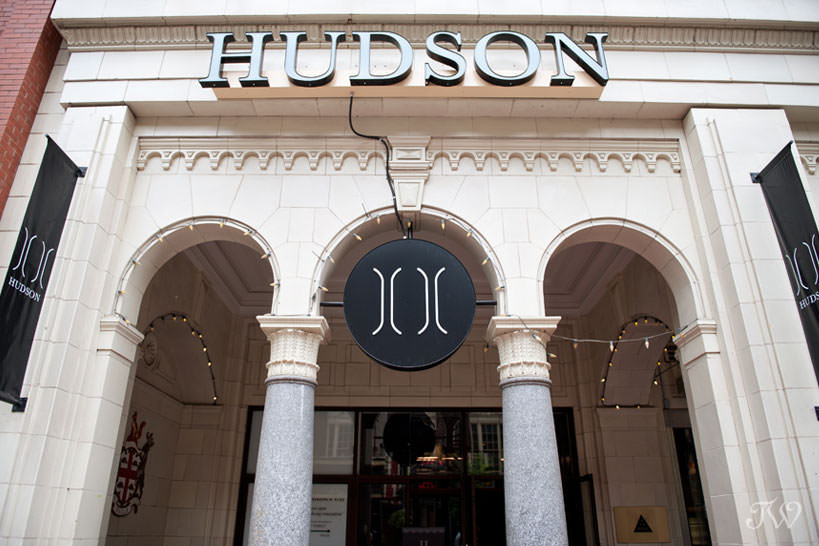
(24, 252)
(794, 263)
(392, 300)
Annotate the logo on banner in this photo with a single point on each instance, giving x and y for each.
(131, 473)
(409, 304)
(801, 267)
(33, 251)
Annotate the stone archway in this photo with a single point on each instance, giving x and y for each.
(639, 273)
(193, 290)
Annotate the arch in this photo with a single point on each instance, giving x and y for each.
(172, 239)
(644, 241)
(374, 225)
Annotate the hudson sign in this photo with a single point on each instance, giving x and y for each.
(386, 64)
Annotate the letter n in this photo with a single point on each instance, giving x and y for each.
(597, 69)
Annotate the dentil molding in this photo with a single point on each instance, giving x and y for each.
(620, 36)
(412, 157)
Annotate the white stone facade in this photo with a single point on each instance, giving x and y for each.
(658, 164)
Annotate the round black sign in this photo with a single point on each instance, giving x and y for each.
(409, 304)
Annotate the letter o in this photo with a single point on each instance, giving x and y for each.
(529, 47)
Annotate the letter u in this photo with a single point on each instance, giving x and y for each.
(293, 40)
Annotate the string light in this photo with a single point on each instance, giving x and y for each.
(194, 333)
(621, 338)
(485, 260)
(499, 288)
(443, 224)
(323, 288)
(357, 236)
(378, 219)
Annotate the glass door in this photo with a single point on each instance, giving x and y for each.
(410, 478)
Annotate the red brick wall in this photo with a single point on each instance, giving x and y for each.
(28, 47)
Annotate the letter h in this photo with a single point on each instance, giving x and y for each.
(219, 56)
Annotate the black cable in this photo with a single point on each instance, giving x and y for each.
(390, 182)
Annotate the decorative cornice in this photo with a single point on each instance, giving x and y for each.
(238, 149)
(620, 36)
(809, 154)
(552, 151)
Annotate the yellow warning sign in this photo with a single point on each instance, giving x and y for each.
(641, 524)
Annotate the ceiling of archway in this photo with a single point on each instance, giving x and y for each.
(237, 274)
(577, 277)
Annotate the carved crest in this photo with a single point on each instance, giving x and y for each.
(131, 474)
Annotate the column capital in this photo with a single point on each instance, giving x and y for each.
(506, 324)
(294, 343)
(698, 339)
(271, 324)
(119, 336)
(522, 348)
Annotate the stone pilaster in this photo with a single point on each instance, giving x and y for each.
(532, 487)
(280, 515)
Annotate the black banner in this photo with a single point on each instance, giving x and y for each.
(27, 277)
(798, 240)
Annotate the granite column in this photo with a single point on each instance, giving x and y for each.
(280, 515)
(535, 515)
